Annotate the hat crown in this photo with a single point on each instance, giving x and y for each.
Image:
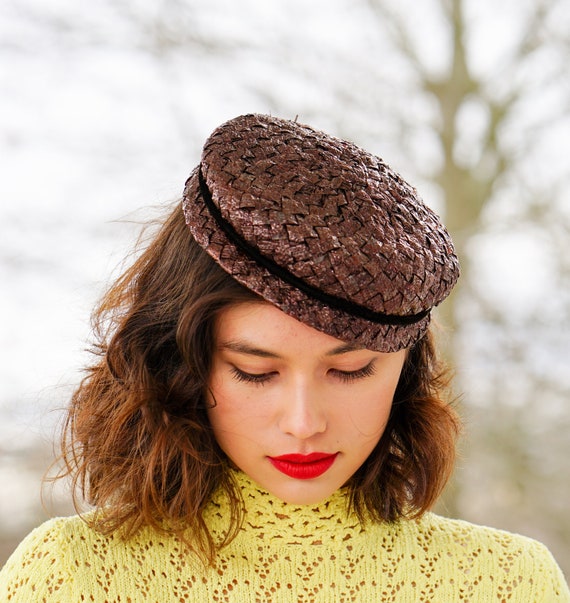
(324, 230)
(335, 216)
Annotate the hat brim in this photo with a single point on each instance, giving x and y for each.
(308, 310)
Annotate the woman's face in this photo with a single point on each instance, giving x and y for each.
(295, 409)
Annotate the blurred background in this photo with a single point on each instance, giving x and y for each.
(104, 109)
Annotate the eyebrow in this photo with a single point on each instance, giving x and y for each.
(344, 348)
(242, 347)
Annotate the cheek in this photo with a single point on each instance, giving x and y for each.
(227, 424)
(369, 411)
(232, 411)
(238, 429)
(369, 418)
(221, 411)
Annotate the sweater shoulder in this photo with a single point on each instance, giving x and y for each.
(37, 566)
(476, 538)
(514, 561)
(66, 559)
(45, 543)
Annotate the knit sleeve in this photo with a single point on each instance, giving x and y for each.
(36, 570)
(552, 587)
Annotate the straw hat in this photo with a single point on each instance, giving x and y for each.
(322, 229)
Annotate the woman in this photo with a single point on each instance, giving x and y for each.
(266, 418)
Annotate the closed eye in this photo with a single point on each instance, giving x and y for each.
(255, 378)
(349, 376)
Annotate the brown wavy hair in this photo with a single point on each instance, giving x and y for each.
(137, 440)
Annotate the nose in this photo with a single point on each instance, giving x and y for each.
(303, 413)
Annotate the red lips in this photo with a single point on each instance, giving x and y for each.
(303, 466)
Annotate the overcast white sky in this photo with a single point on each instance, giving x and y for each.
(93, 128)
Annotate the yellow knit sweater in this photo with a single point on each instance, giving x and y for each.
(286, 553)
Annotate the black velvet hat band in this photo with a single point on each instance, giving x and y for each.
(320, 228)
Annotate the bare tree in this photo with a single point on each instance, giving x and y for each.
(472, 99)
(468, 98)
(492, 127)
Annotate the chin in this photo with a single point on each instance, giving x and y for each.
(303, 492)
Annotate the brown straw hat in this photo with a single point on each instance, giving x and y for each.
(322, 229)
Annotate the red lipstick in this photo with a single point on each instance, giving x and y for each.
(303, 466)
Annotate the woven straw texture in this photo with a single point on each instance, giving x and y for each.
(361, 252)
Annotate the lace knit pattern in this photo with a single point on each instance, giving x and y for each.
(286, 553)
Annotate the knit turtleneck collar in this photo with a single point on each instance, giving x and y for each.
(273, 520)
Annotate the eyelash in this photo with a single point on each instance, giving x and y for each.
(344, 376)
(349, 376)
(251, 378)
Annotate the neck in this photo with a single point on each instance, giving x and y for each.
(273, 519)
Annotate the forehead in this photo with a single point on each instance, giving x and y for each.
(262, 325)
